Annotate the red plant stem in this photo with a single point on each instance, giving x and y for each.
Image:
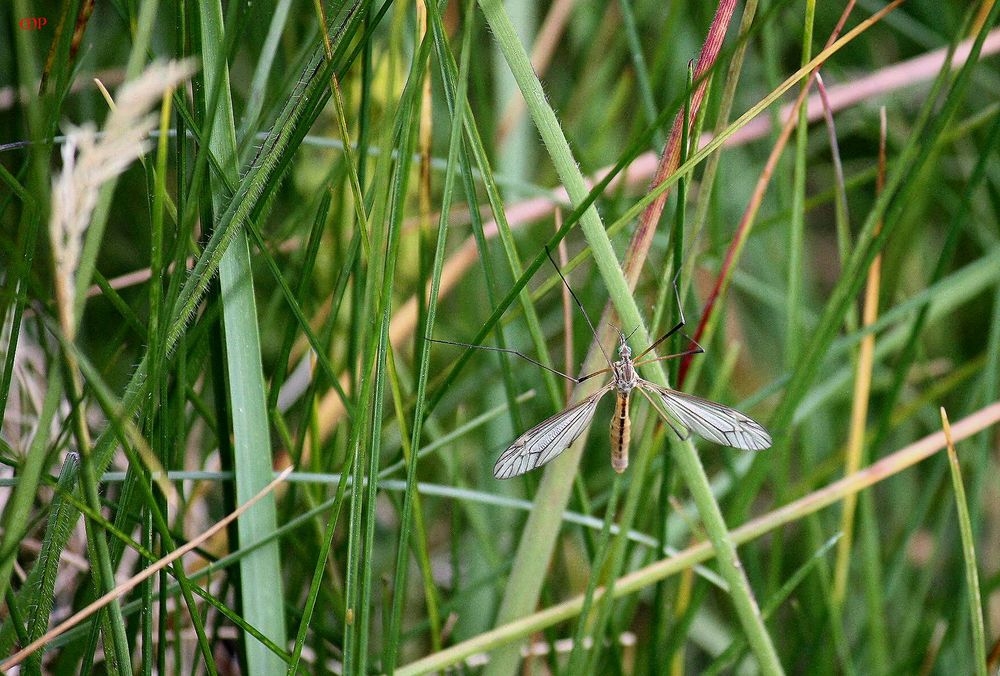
(638, 247)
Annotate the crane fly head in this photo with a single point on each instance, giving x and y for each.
(623, 349)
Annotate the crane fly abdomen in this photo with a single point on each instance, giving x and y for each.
(621, 428)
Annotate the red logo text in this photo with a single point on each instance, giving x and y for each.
(32, 23)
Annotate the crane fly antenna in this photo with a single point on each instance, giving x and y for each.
(675, 328)
(579, 305)
(697, 349)
(507, 350)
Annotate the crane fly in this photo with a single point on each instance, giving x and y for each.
(708, 419)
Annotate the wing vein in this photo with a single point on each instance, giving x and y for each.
(547, 439)
(711, 420)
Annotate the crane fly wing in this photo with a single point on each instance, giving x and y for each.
(712, 420)
(548, 438)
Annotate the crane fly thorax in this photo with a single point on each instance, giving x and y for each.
(626, 377)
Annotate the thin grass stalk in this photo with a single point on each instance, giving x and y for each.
(156, 424)
(619, 548)
(262, 69)
(411, 495)
(872, 565)
(989, 387)
(57, 61)
(796, 224)
(684, 606)
(490, 280)
(840, 210)
(393, 609)
(854, 456)
(680, 217)
(424, 146)
(507, 240)
(313, 242)
(549, 35)
(968, 553)
(361, 224)
(34, 198)
(368, 315)
(262, 605)
(111, 621)
(408, 121)
(682, 600)
(369, 312)
(41, 579)
(888, 466)
(662, 622)
(639, 64)
(355, 553)
(420, 540)
(833, 648)
(392, 613)
(708, 176)
(781, 461)
(920, 586)
(567, 314)
(526, 577)
(326, 542)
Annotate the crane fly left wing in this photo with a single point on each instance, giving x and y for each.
(548, 438)
(712, 420)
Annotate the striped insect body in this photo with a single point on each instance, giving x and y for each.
(621, 430)
(625, 380)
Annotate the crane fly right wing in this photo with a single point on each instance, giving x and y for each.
(548, 438)
(712, 420)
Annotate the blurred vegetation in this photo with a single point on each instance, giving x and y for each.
(289, 210)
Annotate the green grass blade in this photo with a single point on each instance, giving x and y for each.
(262, 604)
